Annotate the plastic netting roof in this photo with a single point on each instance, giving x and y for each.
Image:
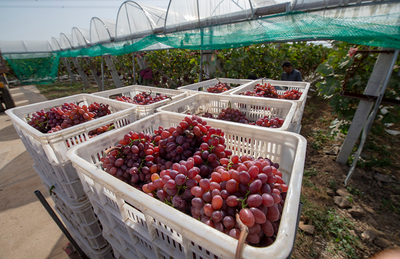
(207, 24)
(219, 24)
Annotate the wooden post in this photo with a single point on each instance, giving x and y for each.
(66, 64)
(113, 71)
(81, 73)
(94, 72)
(375, 82)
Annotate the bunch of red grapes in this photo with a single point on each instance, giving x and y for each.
(269, 122)
(91, 134)
(68, 115)
(291, 95)
(142, 98)
(235, 115)
(263, 90)
(219, 88)
(208, 115)
(230, 114)
(189, 168)
(268, 90)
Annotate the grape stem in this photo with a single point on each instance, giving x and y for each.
(244, 200)
(244, 231)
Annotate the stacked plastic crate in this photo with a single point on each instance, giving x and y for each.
(144, 110)
(48, 152)
(282, 87)
(206, 86)
(253, 108)
(140, 226)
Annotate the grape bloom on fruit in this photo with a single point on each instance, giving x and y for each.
(188, 167)
(68, 115)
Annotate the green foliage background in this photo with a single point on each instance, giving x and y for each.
(333, 74)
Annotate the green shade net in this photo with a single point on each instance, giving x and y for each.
(377, 26)
(34, 68)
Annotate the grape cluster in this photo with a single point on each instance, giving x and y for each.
(101, 130)
(263, 90)
(235, 115)
(291, 95)
(219, 88)
(142, 98)
(252, 187)
(268, 90)
(230, 114)
(68, 115)
(269, 122)
(208, 115)
(189, 168)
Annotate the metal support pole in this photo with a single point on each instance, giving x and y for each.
(84, 78)
(134, 68)
(114, 73)
(364, 108)
(201, 66)
(94, 72)
(68, 67)
(102, 73)
(59, 223)
(370, 121)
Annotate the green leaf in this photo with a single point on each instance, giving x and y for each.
(51, 189)
(325, 69)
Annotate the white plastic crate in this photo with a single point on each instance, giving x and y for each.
(302, 87)
(203, 86)
(82, 218)
(253, 108)
(78, 216)
(104, 253)
(63, 176)
(174, 233)
(144, 110)
(54, 146)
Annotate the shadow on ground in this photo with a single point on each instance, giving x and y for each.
(18, 182)
(8, 133)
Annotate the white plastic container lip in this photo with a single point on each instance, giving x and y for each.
(16, 114)
(215, 241)
(284, 85)
(204, 85)
(288, 107)
(128, 90)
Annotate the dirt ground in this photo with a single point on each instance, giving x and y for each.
(371, 221)
(27, 230)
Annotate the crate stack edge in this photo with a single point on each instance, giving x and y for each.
(253, 108)
(302, 87)
(144, 110)
(48, 152)
(204, 85)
